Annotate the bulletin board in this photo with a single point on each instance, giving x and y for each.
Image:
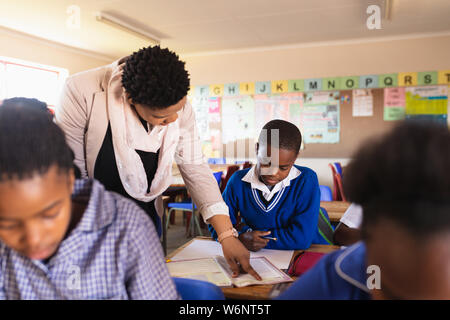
(353, 132)
(333, 114)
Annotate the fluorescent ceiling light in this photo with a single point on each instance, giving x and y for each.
(117, 23)
(388, 9)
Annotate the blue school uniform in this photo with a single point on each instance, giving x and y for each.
(340, 275)
(290, 210)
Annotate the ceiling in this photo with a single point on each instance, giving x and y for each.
(199, 26)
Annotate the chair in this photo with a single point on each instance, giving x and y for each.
(190, 289)
(325, 193)
(338, 167)
(185, 206)
(340, 187)
(230, 170)
(336, 193)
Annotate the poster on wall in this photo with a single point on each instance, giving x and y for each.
(213, 149)
(394, 104)
(200, 105)
(427, 103)
(284, 106)
(238, 114)
(207, 116)
(320, 117)
(362, 103)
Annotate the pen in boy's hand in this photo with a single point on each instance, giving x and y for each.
(270, 238)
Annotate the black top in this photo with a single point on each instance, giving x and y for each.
(261, 197)
(106, 172)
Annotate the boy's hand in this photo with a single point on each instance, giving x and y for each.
(253, 240)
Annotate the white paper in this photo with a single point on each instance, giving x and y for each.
(362, 103)
(207, 248)
(205, 270)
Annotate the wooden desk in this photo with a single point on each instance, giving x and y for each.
(256, 292)
(335, 209)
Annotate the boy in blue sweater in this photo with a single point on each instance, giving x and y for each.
(278, 202)
(403, 185)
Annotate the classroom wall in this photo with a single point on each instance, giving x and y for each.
(358, 57)
(25, 47)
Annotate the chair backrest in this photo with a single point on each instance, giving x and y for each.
(338, 167)
(333, 168)
(230, 171)
(336, 193)
(218, 176)
(325, 193)
(340, 187)
(190, 289)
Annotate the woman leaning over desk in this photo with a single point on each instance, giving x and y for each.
(128, 121)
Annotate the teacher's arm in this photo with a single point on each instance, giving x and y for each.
(71, 116)
(205, 192)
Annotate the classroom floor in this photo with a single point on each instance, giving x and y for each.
(176, 235)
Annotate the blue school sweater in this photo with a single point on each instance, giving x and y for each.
(291, 214)
(340, 275)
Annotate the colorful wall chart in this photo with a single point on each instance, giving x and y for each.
(283, 106)
(394, 104)
(427, 103)
(320, 117)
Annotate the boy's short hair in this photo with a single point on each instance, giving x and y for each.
(30, 142)
(290, 137)
(155, 77)
(404, 177)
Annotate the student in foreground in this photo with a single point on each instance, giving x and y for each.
(403, 185)
(62, 238)
(278, 203)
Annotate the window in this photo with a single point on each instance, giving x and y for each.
(20, 78)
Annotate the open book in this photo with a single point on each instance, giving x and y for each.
(217, 271)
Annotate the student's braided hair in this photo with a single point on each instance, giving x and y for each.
(404, 177)
(155, 77)
(30, 142)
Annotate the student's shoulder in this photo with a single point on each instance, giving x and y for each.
(241, 173)
(338, 275)
(306, 173)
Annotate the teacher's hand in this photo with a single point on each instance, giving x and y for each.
(237, 257)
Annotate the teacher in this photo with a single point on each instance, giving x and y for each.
(128, 121)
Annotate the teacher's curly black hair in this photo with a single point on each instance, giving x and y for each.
(155, 77)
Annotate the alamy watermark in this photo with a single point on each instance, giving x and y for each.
(73, 20)
(373, 21)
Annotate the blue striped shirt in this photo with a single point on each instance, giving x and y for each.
(113, 253)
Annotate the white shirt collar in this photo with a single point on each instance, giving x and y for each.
(252, 177)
